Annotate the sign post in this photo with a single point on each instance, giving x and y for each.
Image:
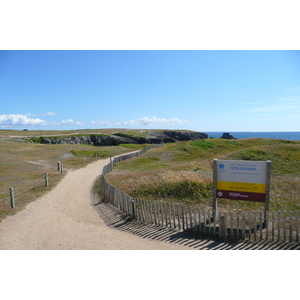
(241, 180)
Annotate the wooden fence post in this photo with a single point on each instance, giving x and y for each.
(260, 226)
(133, 209)
(278, 225)
(155, 214)
(46, 179)
(231, 224)
(178, 215)
(284, 226)
(267, 225)
(297, 227)
(225, 226)
(222, 233)
(243, 224)
(12, 197)
(291, 227)
(255, 225)
(183, 218)
(58, 166)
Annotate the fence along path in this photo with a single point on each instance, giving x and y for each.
(278, 226)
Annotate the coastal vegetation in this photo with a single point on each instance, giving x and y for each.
(182, 172)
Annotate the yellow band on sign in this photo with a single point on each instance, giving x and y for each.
(242, 187)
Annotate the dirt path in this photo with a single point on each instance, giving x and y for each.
(65, 219)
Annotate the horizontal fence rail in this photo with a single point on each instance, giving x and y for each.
(279, 226)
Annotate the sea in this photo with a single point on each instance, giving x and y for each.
(293, 135)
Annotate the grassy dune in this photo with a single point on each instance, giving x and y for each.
(183, 172)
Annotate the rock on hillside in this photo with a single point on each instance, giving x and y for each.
(227, 135)
(153, 137)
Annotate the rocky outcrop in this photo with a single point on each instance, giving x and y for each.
(110, 140)
(227, 135)
(67, 140)
(153, 137)
(185, 135)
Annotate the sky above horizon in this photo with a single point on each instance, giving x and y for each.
(197, 90)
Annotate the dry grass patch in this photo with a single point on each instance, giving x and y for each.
(184, 186)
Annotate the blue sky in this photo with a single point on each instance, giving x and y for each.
(195, 90)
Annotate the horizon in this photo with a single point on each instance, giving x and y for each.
(145, 129)
(203, 90)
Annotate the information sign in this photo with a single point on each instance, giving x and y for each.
(242, 180)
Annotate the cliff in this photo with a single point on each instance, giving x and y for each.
(152, 137)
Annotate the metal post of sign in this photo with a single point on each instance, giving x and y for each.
(215, 207)
(268, 187)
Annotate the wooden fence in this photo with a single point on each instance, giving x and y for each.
(226, 226)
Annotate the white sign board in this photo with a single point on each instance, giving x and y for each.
(241, 180)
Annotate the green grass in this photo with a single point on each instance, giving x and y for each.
(89, 153)
(36, 140)
(106, 151)
(285, 158)
(182, 172)
(143, 163)
(123, 134)
(188, 191)
(134, 147)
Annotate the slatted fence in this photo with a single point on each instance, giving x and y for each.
(278, 226)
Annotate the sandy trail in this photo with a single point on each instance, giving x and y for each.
(65, 219)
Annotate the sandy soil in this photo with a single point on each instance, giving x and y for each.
(65, 219)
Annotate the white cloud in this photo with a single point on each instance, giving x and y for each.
(106, 123)
(25, 120)
(145, 121)
(69, 122)
(50, 113)
(18, 120)
(43, 115)
(154, 121)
